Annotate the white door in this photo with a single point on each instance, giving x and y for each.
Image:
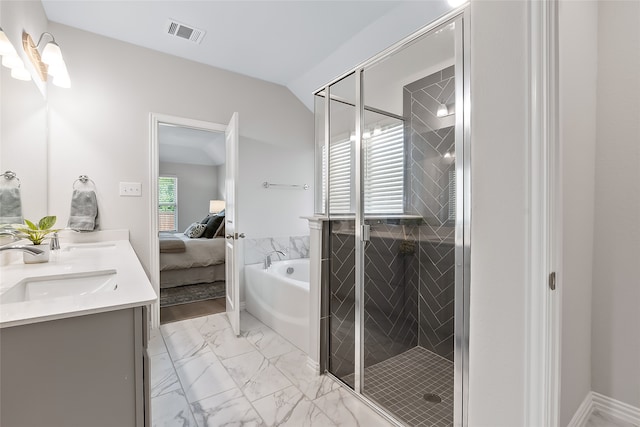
(231, 227)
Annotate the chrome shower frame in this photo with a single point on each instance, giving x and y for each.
(461, 16)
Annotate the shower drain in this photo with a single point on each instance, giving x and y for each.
(432, 397)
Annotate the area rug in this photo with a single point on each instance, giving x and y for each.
(191, 293)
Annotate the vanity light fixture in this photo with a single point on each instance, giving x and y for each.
(49, 62)
(11, 60)
(442, 110)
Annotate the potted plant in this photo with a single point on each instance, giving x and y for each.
(37, 234)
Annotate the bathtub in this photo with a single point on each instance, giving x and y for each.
(279, 299)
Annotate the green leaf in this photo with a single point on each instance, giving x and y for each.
(30, 224)
(47, 222)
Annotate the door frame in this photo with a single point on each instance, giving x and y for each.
(543, 320)
(154, 166)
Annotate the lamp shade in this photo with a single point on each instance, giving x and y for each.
(52, 55)
(6, 48)
(61, 76)
(21, 73)
(216, 206)
(12, 61)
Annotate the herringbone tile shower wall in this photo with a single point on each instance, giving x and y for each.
(409, 265)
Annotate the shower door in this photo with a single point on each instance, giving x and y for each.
(394, 174)
(340, 157)
(412, 143)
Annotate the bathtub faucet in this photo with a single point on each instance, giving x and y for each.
(267, 258)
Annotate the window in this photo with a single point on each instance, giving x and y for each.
(168, 203)
(384, 173)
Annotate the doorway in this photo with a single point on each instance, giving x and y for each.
(183, 150)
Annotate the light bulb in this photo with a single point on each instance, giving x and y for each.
(442, 111)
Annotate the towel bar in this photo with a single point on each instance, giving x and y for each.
(83, 179)
(9, 175)
(271, 184)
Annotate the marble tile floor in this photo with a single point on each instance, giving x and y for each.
(203, 375)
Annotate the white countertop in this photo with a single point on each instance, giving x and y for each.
(134, 288)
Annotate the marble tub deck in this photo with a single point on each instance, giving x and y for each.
(202, 375)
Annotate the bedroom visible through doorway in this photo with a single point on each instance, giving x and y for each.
(191, 182)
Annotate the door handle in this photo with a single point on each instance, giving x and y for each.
(236, 236)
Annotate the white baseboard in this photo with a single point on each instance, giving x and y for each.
(615, 408)
(313, 365)
(583, 413)
(605, 405)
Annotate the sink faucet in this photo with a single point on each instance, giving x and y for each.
(29, 249)
(267, 258)
(9, 233)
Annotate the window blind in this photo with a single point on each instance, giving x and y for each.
(168, 203)
(384, 173)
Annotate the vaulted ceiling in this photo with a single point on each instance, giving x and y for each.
(300, 44)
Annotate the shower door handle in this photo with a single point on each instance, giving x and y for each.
(366, 233)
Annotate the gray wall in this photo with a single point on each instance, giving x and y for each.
(497, 349)
(578, 55)
(615, 346)
(100, 127)
(197, 184)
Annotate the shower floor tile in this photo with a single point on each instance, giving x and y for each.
(400, 383)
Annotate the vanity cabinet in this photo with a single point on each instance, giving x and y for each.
(84, 371)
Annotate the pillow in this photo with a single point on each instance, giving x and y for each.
(195, 230)
(220, 230)
(205, 220)
(212, 226)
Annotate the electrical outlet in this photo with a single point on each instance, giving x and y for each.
(133, 189)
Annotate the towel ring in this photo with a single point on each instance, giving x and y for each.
(10, 175)
(83, 179)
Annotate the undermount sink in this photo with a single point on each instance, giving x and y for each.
(61, 285)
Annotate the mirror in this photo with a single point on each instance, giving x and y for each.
(23, 136)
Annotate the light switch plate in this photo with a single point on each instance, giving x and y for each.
(133, 189)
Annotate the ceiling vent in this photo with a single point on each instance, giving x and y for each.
(178, 29)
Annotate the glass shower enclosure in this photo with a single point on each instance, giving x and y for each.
(392, 169)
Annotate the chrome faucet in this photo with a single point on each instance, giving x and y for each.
(29, 249)
(267, 258)
(9, 233)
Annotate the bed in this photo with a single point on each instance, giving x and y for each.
(188, 261)
(195, 256)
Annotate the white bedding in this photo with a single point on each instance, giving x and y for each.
(199, 253)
